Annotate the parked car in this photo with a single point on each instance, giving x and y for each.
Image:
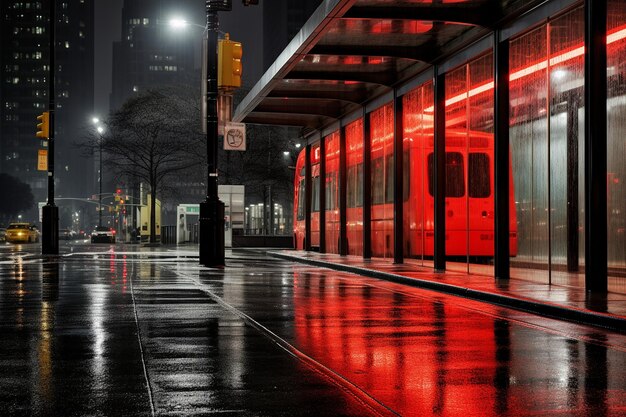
(66, 234)
(103, 234)
(22, 232)
(3, 233)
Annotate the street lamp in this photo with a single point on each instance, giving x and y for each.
(100, 131)
(211, 244)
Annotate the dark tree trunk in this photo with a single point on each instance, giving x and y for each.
(152, 214)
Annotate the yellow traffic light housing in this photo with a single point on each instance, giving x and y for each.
(43, 125)
(229, 71)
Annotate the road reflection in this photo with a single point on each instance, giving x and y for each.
(422, 357)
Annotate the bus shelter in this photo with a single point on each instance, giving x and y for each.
(480, 135)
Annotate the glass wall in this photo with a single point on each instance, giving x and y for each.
(381, 122)
(418, 224)
(547, 149)
(331, 145)
(354, 189)
(469, 167)
(616, 168)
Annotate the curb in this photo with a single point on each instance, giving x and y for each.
(606, 321)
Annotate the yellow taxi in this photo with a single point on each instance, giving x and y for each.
(22, 232)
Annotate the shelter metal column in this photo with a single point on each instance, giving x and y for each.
(322, 191)
(501, 158)
(367, 187)
(398, 195)
(343, 199)
(307, 198)
(440, 171)
(596, 258)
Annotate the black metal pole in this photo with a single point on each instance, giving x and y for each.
(501, 158)
(50, 212)
(573, 218)
(440, 172)
(367, 186)
(307, 197)
(322, 193)
(596, 257)
(211, 220)
(398, 186)
(100, 186)
(343, 193)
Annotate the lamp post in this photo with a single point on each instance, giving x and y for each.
(100, 130)
(50, 212)
(211, 239)
(212, 209)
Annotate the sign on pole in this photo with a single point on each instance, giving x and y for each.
(42, 160)
(235, 136)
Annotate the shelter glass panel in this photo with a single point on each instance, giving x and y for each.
(469, 167)
(456, 150)
(547, 150)
(480, 166)
(566, 147)
(529, 145)
(381, 122)
(354, 189)
(616, 129)
(417, 147)
(332, 192)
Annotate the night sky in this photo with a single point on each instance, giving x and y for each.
(245, 24)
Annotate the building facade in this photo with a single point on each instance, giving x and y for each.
(24, 67)
(150, 53)
(282, 20)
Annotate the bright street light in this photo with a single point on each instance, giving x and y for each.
(286, 153)
(100, 129)
(95, 120)
(178, 23)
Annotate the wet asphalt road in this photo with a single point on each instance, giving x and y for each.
(122, 331)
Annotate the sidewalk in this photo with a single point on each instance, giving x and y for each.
(560, 302)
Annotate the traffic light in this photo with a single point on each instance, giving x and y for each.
(43, 125)
(229, 55)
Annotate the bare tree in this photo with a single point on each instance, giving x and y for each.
(153, 136)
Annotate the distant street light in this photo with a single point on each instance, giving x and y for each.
(286, 153)
(100, 131)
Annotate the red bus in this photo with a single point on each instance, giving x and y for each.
(469, 197)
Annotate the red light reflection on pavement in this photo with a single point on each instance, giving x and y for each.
(421, 357)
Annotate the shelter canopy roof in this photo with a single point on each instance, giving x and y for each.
(351, 51)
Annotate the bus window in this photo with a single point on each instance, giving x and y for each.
(378, 181)
(331, 204)
(315, 194)
(359, 188)
(478, 175)
(389, 179)
(455, 180)
(301, 194)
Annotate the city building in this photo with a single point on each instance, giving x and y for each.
(282, 19)
(24, 91)
(150, 53)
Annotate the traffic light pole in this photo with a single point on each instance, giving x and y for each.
(212, 209)
(50, 212)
